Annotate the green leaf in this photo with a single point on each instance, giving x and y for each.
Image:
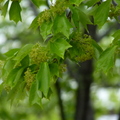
(17, 92)
(34, 97)
(79, 16)
(14, 11)
(25, 61)
(45, 29)
(24, 51)
(18, 75)
(8, 66)
(5, 8)
(118, 2)
(1, 88)
(90, 3)
(98, 49)
(101, 13)
(62, 25)
(43, 78)
(116, 36)
(59, 46)
(11, 76)
(76, 2)
(106, 60)
(54, 69)
(34, 25)
(11, 52)
(39, 2)
(21, 94)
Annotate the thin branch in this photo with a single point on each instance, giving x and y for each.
(60, 102)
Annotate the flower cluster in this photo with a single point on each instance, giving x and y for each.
(62, 68)
(44, 17)
(83, 47)
(38, 54)
(29, 78)
(58, 9)
(114, 11)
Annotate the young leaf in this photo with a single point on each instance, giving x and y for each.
(11, 76)
(17, 92)
(101, 13)
(106, 60)
(34, 97)
(5, 8)
(18, 75)
(25, 61)
(14, 11)
(21, 91)
(45, 29)
(24, 51)
(54, 69)
(8, 66)
(116, 36)
(118, 2)
(59, 46)
(11, 52)
(39, 2)
(76, 2)
(98, 49)
(89, 3)
(79, 16)
(34, 25)
(62, 25)
(43, 78)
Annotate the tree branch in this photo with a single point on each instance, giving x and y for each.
(60, 102)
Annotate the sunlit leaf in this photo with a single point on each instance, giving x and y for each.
(45, 29)
(116, 36)
(106, 60)
(8, 66)
(22, 53)
(76, 2)
(62, 25)
(11, 52)
(98, 49)
(39, 2)
(59, 46)
(90, 3)
(101, 13)
(34, 25)
(79, 16)
(43, 78)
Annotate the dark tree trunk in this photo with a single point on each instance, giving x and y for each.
(83, 93)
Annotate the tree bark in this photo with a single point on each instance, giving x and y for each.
(83, 92)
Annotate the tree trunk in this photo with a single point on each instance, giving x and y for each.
(83, 105)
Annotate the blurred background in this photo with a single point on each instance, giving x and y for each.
(81, 93)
